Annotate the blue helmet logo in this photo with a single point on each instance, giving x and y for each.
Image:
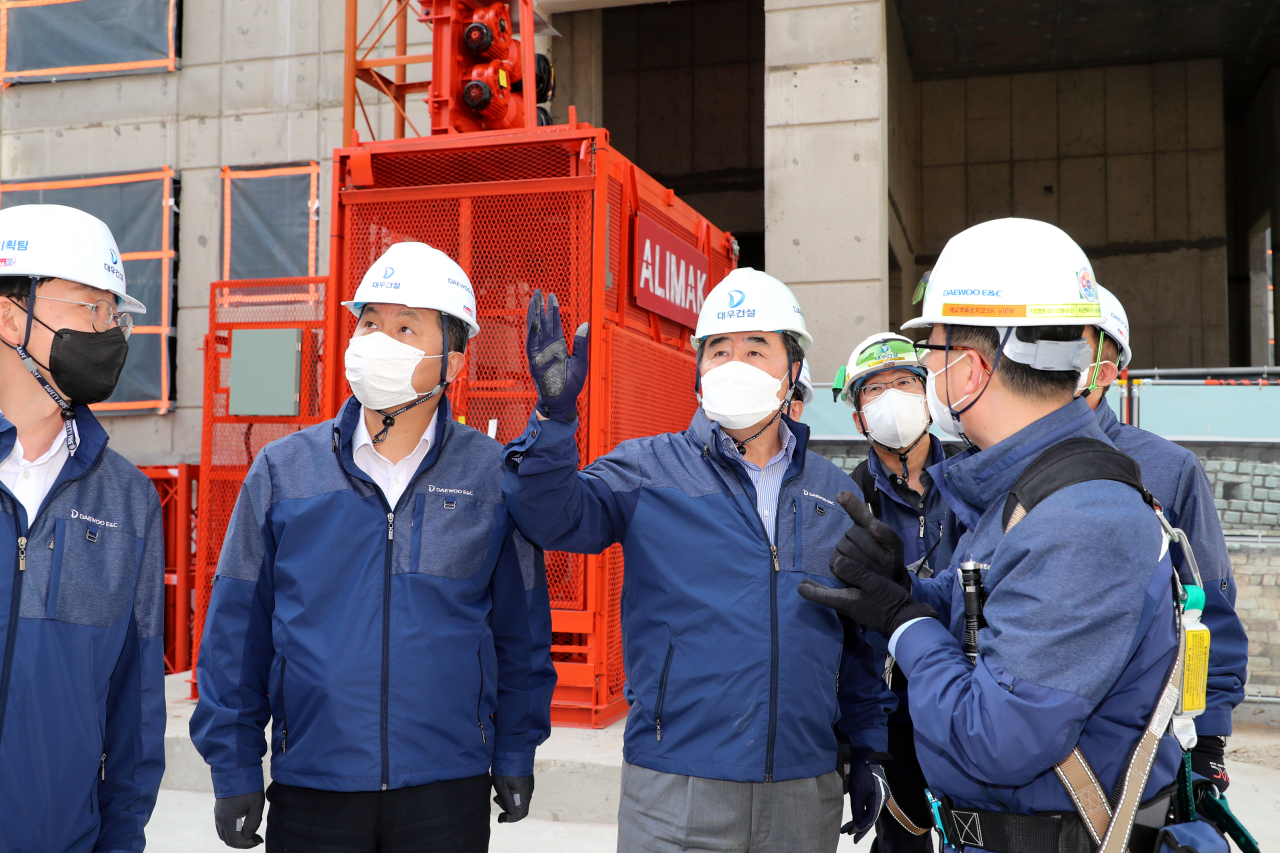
(115, 259)
(736, 298)
(388, 272)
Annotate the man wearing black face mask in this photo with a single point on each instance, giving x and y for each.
(81, 551)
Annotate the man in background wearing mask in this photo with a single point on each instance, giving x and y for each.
(82, 585)
(733, 683)
(1074, 654)
(884, 384)
(374, 601)
(1177, 479)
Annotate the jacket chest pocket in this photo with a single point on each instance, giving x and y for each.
(818, 527)
(450, 535)
(95, 570)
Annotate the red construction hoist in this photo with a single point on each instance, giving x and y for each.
(519, 206)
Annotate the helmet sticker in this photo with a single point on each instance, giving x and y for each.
(1087, 289)
(736, 298)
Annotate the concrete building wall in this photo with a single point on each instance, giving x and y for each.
(903, 175)
(826, 166)
(260, 83)
(1128, 160)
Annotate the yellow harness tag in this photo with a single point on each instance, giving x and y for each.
(1195, 674)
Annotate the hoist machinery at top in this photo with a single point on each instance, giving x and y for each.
(478, 67)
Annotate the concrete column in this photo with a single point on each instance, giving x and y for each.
(578, 58)
(826, 167)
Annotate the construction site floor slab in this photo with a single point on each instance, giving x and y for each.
(579, 771)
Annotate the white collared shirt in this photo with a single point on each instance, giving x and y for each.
(31, 481)
(392, 477)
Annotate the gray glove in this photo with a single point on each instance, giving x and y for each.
(238, 819)
(513, 795)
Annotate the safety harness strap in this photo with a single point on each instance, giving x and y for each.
(901, 817)
(1082, 786)
(1076, 460)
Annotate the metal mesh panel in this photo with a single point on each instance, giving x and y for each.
(473, 165)
(509, 245)
(229, 443)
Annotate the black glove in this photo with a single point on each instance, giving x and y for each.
(1208, 763)
(876, 602)
(870, 543)
(558, 375)
(868, 792)
(513, 795)
(238, 819)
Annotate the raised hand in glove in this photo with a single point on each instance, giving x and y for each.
(868, 791)
(871, 543)
(513, 795)
(558, 375)
(237, 819)
(1208, 763)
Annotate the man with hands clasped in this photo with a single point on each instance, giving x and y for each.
(739, 689)
(375, 603)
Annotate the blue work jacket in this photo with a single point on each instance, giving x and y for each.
(1177, 479)
(388, 646)
(1080, 633)
(926, 524)
(82, 711)
(731, 674)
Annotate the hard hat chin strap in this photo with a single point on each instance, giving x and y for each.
(389, 418)
(33, 367)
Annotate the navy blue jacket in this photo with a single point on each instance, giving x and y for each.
(927, 526)
(388, 647)
(1080, 633)
(82, 710)
(1177, 479)
(730, 673)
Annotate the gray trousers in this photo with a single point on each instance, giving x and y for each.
(666, 813)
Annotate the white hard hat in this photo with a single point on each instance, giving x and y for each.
(805, 383)
(54, 241)
(882, 351)
(1009, 272)
(1115, 323)
(416, 275)
(748, 300)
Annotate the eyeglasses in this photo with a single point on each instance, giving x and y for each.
(923, 350)
(906, 383)
(105, 315)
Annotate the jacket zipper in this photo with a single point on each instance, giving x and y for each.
(284, 712)
(386, 599)
(662, 690)
(386, 647)
(773, 619)
(480, 698)
(15, 602)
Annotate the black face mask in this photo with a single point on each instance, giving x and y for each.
(87, 365)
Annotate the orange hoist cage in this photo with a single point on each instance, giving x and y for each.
(552, 208)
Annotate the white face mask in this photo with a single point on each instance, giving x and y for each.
(896, 418)
(738, 395)
(380, 370)
(943, 415)
(1088, 377)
